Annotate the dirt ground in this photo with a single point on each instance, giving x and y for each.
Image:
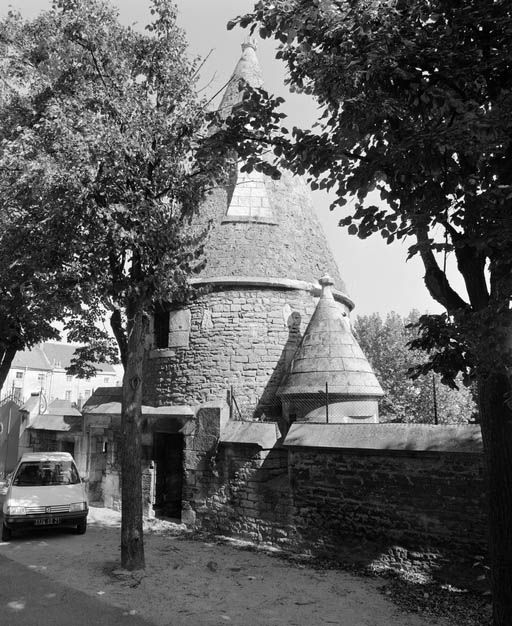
(191, 582)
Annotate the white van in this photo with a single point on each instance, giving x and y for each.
(45, 489)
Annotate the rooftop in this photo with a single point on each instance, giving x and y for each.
(107, 401)
(262, 227)
(52, 355)
(329, 353)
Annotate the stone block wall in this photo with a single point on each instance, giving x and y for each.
(384, 504)
(243, 338)
(252, 496)
(420, 500)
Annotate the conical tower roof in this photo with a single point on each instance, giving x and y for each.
(329, 353)
(262, 228)
(247, 69)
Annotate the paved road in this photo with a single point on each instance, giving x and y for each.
(28, 598)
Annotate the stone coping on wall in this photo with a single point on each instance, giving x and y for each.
(386, 437)
(270, 282)
(262, 434)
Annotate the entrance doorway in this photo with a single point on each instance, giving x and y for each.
(168, 457)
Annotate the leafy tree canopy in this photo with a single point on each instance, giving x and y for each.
(415, 103)
(411, 395)
(106, 154)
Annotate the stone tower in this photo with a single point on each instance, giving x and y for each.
(329, 378)
(265, 250)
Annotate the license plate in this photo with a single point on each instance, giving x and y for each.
(48, 521)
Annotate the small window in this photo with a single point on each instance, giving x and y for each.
(69, 378)
(172, 328)
(19, 374)
(68, 396)
(106, 379)
(87, 393)
(40, 378)
(161, 328)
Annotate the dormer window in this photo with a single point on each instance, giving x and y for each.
(249, 200)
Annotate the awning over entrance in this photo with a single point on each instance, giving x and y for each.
(62, 423)
(107, 401)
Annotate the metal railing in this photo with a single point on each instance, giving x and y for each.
(11, 396)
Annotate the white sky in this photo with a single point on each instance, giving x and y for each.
(377, 276)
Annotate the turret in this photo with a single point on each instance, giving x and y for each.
(329, 378)
(265, 249)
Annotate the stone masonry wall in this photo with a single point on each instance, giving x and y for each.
(240, 337)
(252, 498)
(416, 500)
(386, 504)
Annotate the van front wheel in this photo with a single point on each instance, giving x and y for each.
(6, 533)
(81, 527)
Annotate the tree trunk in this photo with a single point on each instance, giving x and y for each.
(6, 358)
(132, 543)
(496, 425)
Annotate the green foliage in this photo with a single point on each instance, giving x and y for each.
(405, 376)
(103, 158)
(416, 103)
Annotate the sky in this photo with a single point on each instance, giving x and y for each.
(377, 276)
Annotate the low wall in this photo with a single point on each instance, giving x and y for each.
(394, 504)
(424, 502)
(253, 499)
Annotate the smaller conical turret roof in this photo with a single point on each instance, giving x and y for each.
(329, 353)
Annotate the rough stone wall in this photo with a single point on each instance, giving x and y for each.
(199, 472)
(418, 500)
(391, 507)
(251, 498)
(241, 337)
(233, 489)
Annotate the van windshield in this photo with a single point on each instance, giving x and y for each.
(42, 473)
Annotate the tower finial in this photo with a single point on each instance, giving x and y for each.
(327, 283)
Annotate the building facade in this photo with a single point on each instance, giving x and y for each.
(42, 370)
